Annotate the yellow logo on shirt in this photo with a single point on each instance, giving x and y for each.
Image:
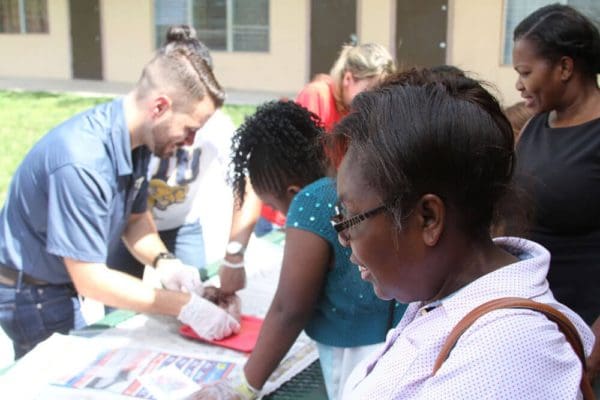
(161, 195)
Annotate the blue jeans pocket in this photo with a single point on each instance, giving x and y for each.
(7, 310)
(40, 312)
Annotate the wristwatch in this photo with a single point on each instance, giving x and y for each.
(235, 248)
(163, 256)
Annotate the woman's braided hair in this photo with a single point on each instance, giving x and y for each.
(182, 67)
(279, 145)
(559, 30)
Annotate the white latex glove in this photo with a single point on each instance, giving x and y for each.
(175, 275)
(207, 319)
(228, 389)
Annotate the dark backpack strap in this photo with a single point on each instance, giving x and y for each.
(391, 313)
(564, 325)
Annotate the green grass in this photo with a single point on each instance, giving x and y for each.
(238, 113)
(27, 116)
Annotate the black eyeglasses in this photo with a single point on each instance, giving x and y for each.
(340, 223)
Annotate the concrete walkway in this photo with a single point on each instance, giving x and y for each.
(103, 88)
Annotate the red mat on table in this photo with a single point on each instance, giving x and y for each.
(244, 341)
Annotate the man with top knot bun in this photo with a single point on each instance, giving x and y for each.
(177, 191)
(83, 188)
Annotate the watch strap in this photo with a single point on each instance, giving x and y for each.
(229, 264)
(161, 256)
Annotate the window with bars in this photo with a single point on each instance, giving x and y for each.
(23, 16)
(516, 10)
(229, 25)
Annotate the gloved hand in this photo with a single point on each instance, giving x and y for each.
(175, 275)
(207, 319)
(228, 389)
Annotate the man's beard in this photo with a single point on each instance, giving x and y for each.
(161, 148)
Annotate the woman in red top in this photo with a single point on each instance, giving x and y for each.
(357, 68)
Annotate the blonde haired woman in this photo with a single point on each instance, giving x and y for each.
(356, 69)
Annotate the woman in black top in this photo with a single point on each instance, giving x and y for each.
(557, 56)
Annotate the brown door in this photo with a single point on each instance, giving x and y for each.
(86, 45)
(332, 24)
(421, 32)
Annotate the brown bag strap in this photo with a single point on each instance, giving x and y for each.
(564, 325)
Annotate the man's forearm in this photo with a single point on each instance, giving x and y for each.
(120, 290)
(142, 239)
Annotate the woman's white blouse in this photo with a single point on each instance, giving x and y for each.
(506, 354)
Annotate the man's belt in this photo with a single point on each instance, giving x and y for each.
(9, 277)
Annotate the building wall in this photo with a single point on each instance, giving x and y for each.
(128, 42)
(40, 55)
(475, 32)
(285, 68)
(376, 22)
(127, 38)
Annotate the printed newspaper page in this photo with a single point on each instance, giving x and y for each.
(147, 374)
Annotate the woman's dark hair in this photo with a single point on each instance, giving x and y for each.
(279, 145)
(425, 133)
(559, 30)
(336, 144)
(445, 70)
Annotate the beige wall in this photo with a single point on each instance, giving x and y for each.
(128, 42)
(285, 67)
(127, 38)
(376, 20)
(40, 55)
(475, 30)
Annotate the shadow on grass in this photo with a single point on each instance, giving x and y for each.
(62, 99)
(28, 95)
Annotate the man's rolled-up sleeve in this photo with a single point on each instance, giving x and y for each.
(79, 203)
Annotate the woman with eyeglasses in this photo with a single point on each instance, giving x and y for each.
(279, 148)
(426, 166)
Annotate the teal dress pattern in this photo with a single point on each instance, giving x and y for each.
(348, 313)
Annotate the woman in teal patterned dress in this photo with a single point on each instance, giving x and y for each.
(280, 149)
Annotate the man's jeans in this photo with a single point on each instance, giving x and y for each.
(33, 313)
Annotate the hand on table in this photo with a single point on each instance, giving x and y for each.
(207, 319)
(175, 275)
(228, 302)
(228, 389)
(232, 279)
